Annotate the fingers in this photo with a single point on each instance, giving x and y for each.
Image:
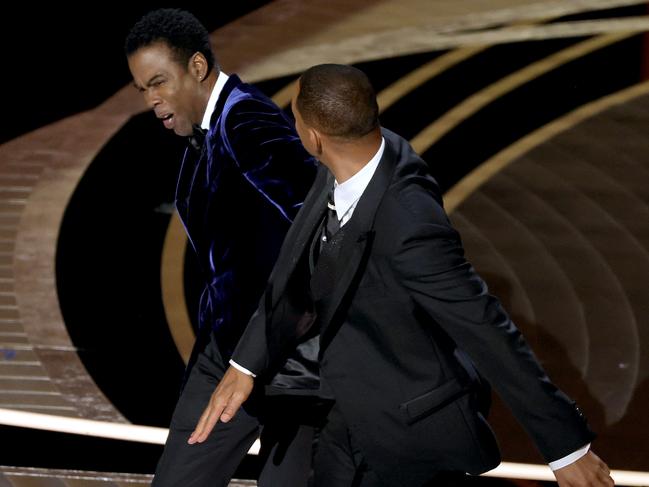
(230, 408)
(199, 427)
(230, 394)
(210, 417)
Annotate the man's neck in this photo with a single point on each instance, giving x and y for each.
(345, 158)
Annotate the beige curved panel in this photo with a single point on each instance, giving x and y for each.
(388, 96)
(470, 183)
(615, 371)
(420, 39)
(451, 119)
(283, 97)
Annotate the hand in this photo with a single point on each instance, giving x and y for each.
(233, 389)
(588, 471)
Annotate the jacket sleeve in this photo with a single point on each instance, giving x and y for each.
(267, 150)
(256, 351)
(429, 261)
(251, 351)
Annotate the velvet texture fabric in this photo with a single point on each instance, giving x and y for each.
(237, 195)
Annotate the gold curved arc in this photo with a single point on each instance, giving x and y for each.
(451, 119)
(404, 85)
(283, 97)
(173, 288)
(470, 183)
(397, 90)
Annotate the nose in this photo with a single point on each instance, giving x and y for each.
(151, 98)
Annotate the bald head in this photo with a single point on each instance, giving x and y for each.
(338, 100)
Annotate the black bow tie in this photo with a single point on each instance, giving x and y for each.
(197, 139)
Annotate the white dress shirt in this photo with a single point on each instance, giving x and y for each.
(214, 97)
(346, 196)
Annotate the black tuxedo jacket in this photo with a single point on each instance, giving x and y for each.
(402, 322)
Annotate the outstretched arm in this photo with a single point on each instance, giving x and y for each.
(235, 386)
(429, 262)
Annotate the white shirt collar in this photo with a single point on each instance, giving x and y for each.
(348, 193)
(214, 97)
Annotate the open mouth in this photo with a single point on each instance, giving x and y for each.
(168, 120)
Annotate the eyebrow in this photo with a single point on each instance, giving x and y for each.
(150, 82)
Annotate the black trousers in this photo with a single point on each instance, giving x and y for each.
(339, 462)
(286, 450)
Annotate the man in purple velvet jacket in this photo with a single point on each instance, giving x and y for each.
(244, 176)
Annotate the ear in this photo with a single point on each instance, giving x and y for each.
(198, 66)
(315, 139)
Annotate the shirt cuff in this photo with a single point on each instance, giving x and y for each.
(241, 369)
(568, 459)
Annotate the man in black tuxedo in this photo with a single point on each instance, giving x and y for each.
(407, 328)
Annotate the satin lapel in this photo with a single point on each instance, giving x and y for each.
(356, 245)
(298, 236)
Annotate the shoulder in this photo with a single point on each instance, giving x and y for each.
(252, 112)
(412, 211)
(251, 118)
(245, 99)
(413, 195)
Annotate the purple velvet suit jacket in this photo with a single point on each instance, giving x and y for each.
(236, 199)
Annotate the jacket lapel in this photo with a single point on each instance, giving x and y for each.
(357, 240)
(300, 233)
(193, 160)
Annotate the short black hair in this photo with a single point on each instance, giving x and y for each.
(180, 30)
(338, 100)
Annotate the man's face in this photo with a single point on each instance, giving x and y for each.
(168, 87)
